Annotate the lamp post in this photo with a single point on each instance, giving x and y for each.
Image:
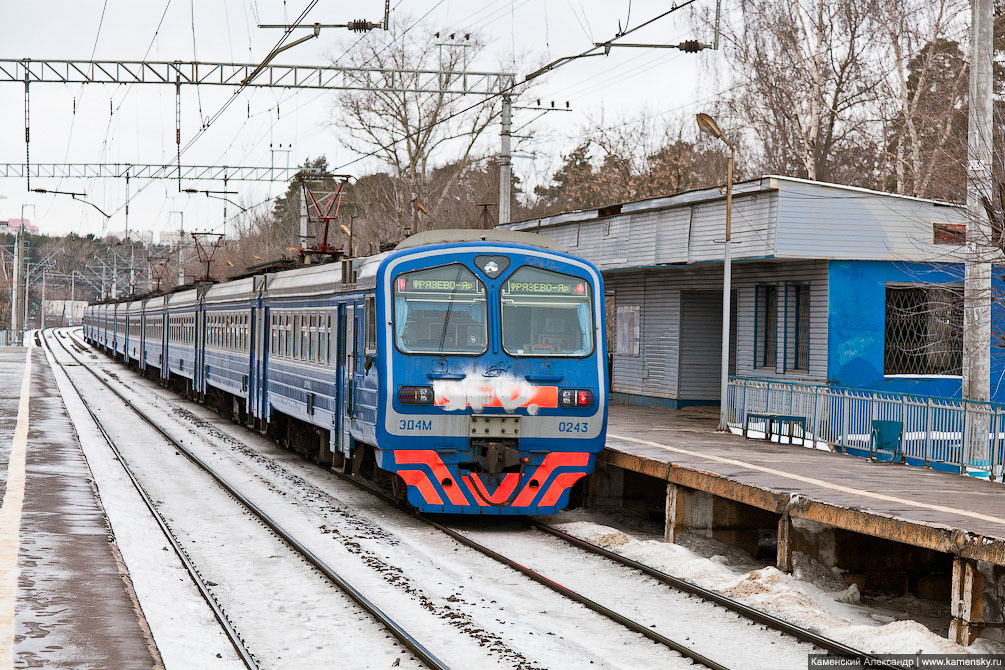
(708, 125)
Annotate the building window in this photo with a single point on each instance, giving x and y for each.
(924, 330)
(766, 326)
(628, 331)
(802, 327)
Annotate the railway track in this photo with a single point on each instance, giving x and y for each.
(228, 628)
(746, 612)
(426, 657)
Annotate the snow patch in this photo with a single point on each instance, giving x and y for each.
(815, 596)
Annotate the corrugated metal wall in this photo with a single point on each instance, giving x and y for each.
(657, 370)
(700, 340)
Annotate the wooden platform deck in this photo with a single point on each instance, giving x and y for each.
(949, 513)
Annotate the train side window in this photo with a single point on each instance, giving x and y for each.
(304, 332)
(272, 334)
(296, 336)
(322, 340)
(370, 311)
(286, 331)
(312, 339)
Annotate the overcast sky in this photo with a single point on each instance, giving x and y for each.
(119, 124)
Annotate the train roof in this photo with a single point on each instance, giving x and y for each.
(231, 291)
(183, 298)
(309, 280)
(156, 301)
(459, 235)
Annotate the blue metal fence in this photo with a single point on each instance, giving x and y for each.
(945, 434)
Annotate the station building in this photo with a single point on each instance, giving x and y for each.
(831, 284)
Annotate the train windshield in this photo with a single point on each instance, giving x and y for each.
(546, 314)
(440, 311)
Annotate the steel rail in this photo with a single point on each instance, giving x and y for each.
(411, 643)
(593, 605)
(235, 639)
(747, 612)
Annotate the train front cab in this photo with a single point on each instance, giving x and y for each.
(493, 397)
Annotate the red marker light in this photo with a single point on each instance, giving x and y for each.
(401, 283)
(575, 398)
(580, 289)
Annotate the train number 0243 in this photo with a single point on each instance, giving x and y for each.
(415, 424)
(573, 426)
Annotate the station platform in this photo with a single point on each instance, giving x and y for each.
(65, 597)
(729, 486)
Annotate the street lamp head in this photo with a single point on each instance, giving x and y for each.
(708, 125)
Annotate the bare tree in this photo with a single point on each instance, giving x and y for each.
(414, 132)
(806, 85)
(927, 94)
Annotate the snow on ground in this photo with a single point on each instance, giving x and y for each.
(814, 596)
(468, 609)
(183, 626)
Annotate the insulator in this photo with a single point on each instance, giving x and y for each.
(690, 46)
(361, 26)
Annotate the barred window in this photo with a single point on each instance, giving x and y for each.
(924, 330)
(802, 327)
(766, 330)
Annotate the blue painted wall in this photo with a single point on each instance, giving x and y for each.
(856, 322)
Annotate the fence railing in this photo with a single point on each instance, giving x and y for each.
(946, 434)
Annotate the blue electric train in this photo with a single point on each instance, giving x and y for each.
(465, 371)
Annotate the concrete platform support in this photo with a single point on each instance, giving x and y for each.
(606, 486)
(783, 559)
(721, 519)
(967, 605)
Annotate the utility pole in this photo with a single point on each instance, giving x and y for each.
(115, 276)
(181, 248)
(17, 307)
(303, 220)
(505, 159)
(977, 281)
(41, 314)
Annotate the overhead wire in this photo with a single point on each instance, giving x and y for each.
(508, 89)
(211, 120)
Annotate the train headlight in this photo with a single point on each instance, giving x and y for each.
(415, 395)
(575, 398)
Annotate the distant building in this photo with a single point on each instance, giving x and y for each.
(13, 225)
(831, 285)
(144, 236)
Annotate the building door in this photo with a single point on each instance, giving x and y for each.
(701, 346)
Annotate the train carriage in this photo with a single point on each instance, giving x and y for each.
(134, 330)
(227, 339)
(104, 337)
(119, 336)
(309, 317)
(153, 334)
(180, 315)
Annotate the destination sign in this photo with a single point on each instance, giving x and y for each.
(546, 287)
(439, 285)
(451, 280)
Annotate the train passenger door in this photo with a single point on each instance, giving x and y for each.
(347, 335)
